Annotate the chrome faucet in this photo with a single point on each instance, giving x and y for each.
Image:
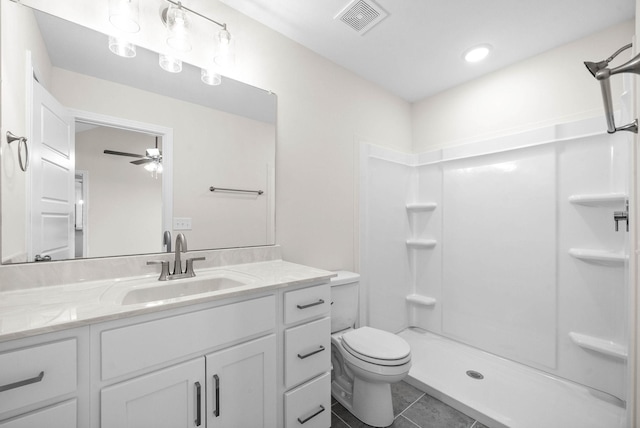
(181, 247)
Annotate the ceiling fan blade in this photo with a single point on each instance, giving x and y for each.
(142, 161)
(113, 152)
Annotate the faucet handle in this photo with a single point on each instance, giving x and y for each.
(190, 261)
(164, 273)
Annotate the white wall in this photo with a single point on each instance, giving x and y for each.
(553, 87)
(125, 201)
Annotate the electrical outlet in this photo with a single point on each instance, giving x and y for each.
(182, 223)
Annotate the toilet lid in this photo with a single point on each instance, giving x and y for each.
(376, 344)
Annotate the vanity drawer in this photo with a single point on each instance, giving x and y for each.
(59, 416)
(141, 346)
(307, 303)
(307, 351)
(38, 373)
(309, 405)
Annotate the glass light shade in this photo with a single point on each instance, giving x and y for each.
(224, 54)
(178, 28)
(154, 167)
(122, 47)
(124, 15)
(170, 64)
(477, 53)
(210, 77)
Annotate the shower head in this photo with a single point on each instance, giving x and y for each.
(595, 67)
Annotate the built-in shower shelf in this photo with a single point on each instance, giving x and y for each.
(606, 347)
(424, 206)
(420, 300)
(599, 256)
(596, 199)
(421, 243)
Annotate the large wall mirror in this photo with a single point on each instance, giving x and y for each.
(99, 126)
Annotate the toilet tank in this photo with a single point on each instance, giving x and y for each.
(344, 300)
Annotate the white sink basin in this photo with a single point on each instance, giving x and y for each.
(150, 290)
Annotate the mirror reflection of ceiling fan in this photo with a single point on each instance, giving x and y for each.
(151, 160)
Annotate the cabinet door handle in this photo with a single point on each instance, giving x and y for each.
(319, 302)
(302, 357)
(198, 404)
(308, 418)
(216, 383)
(21, 383)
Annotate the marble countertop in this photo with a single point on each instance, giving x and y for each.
(40, 310)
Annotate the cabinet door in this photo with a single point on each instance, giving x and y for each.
(170, 398)
(241, 385)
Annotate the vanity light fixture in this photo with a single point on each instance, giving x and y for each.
(124, 15)
(175, 18)
(477, 53)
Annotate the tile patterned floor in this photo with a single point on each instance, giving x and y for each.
(412, 409)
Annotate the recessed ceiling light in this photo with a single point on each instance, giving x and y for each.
(477, 53)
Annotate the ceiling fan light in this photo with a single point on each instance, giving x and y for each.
(170, 64)
(124, 15)
(153, 152)
(122, 47)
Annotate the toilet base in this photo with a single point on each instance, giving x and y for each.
(370, 402)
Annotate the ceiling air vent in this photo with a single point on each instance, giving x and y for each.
(361, 15)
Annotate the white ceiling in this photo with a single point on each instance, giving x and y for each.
(417, 50)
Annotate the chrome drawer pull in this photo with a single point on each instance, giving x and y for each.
(216, 382)
(22, 383)
(302, 357)
(303, 421)
(319, 302)
(198, 421)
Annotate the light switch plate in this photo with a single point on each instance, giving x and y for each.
(182, 223)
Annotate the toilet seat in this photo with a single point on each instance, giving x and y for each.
(376, 346)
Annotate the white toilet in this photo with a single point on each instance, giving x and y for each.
(366, 361)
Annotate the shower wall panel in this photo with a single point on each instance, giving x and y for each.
(499, 261)
(516, 251)
(387, 182)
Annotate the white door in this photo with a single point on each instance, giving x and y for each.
(52, 178)
(168, 398)
(241, 385)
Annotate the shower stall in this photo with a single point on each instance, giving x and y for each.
(505, 264)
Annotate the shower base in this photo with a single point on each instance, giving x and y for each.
(508, 394)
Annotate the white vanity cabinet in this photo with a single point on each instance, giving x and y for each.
(39, 382)
(307, 357)
(234, 385)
